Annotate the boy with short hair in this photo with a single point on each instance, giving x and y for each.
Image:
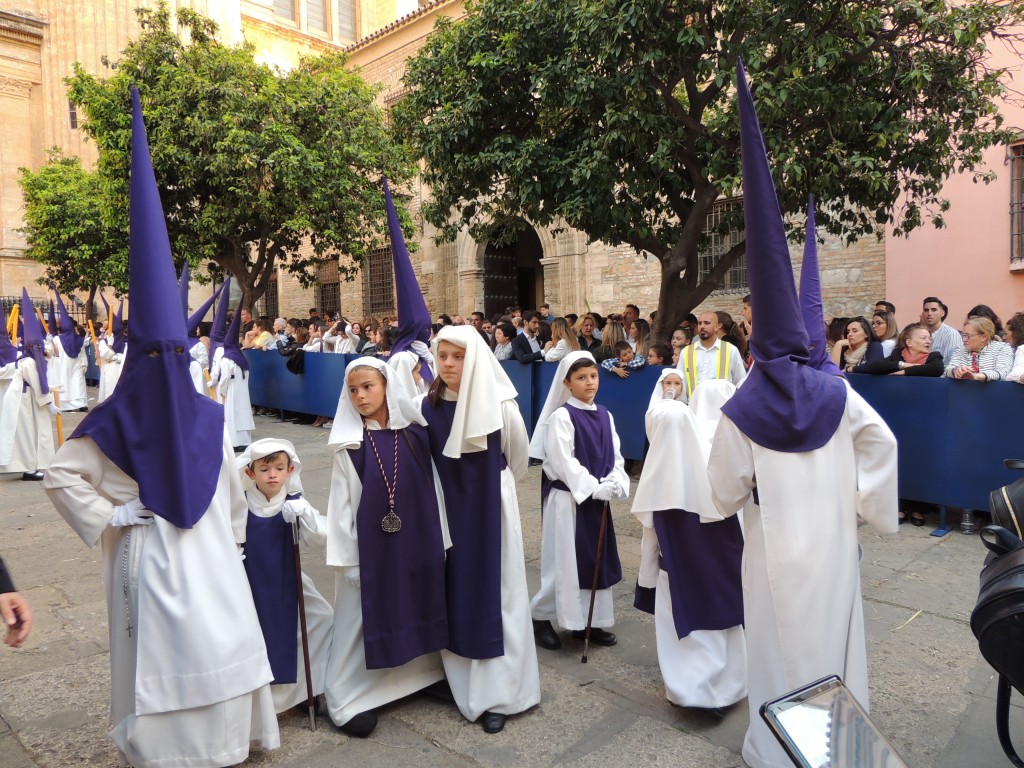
(273, 492)
(625, 360)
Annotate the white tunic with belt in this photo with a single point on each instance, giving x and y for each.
(189, 670)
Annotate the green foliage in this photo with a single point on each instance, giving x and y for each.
(619, 116)
(250, 161)
(66, 229)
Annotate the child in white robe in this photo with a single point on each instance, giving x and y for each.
(567, 553)
(270, 471)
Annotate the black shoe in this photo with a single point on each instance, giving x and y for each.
(37, 475)
(441, 691)
(597, 636)
(83, 409)
(493, 722)
(361, 725)
(546, 635)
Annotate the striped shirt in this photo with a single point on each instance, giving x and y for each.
(947, 340)
(995, 360)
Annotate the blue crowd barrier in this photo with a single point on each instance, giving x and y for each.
(952, 435)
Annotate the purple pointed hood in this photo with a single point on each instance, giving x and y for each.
(784, 404)
(118, 330)
(155, 426)
(413, 317)
(51, 321)
(219, 329)
(183, 289)
(69, 340)
(231, 348)
(196, 317)
(811, 306)
(32, 339)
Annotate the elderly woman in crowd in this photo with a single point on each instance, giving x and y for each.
(504, 332)
(912, 356)
(884, 330)
(1015, 338)
(857, 347)
(983, 357)
(585, 328)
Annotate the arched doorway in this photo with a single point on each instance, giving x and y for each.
(513, 274)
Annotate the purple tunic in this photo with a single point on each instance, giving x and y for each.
(472, 497)
(402, 574)
(595, 450)
(270, 565)
(703, 562)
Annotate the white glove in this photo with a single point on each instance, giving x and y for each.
(421, 348)
(352, 576)
(132, 513)
(619, 491)
(605, 491)
(298, 509)
(241, 551)
(53, 409)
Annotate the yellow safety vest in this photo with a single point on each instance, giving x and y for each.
(690, 373)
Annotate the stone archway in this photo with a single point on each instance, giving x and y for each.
(513, 274)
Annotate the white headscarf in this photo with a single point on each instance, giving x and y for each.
(347, 431)
(657, 395)
(404, 363)
(675, 471)
(558, 395)
(260, 450)
(706, 403)
(484, 387)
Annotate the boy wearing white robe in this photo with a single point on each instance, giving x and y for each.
(561, 596)
(270, 470)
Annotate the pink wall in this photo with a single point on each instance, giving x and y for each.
(967, 262)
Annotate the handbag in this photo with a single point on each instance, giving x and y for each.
(1007, 503)
(997, 621)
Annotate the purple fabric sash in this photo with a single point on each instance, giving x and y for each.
(402, 574)
(703, 562)
(270, 565)
(472, 497)
(595, 450)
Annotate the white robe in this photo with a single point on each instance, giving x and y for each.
(54, 363)
(351, 688)
(110, 369)
(560, 595)
(73, 392)
(26, 428)
(197, 367)
(319, 613)
(233, 391)
(508, 684)
(195, 690)
(801, 574)
(707, 668)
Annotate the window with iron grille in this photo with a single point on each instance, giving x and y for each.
(393, 101)
(72, 116)
(379, 284)
(1016, 156)
(285, 9)
(316, 15)
(328, 287)
(346, 20)
(717, 242)
(267, 305)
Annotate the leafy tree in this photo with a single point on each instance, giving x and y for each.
(252, 163)
(617, 117)
(66, 229)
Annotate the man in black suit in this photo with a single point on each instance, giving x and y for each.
(526, 345)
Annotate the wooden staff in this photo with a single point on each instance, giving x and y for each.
(597, 571)
(60, 423)
(96, 344)
(45, 326)
(310, 697)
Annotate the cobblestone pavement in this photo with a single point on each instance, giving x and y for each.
(932, 694)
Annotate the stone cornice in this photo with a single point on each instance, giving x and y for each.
(22, 29)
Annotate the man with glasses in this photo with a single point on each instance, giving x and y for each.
(945, 339)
